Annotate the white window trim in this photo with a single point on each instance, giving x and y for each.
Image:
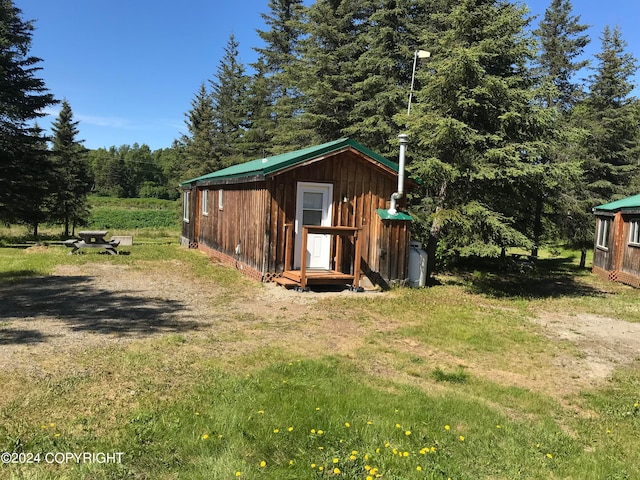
(634, 233)
(186, 206)
(220, 199)
(205, 202)
(602, 234)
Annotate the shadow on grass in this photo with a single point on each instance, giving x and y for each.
(14, 275)
(548, 278)
(85, 307)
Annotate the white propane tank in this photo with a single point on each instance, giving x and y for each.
(417, 265)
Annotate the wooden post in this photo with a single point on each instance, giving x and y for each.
(303, 258)
(356, 260)
(288, 246)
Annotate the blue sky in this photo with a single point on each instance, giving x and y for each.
(130, 68)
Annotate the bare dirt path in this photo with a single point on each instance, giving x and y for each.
(98, 305)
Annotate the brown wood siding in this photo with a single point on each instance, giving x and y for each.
(630, 253)
(366, 187)
(242, 221)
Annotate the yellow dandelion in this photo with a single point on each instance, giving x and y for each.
(405, 454)
(317, 409)
(290, 429)
(238, 474)
(367, 467)
(636, 405)
(347, 424)
(461, 438)
(320, 468)
(290, 462)
(263, 464)
(374, 471)
(313, 465)
(549, 455)
(320, 432)
(261, 412)
(44, 427)
(377, 450)
(419, 468)
(276, 430)
(447, 427)
(366, 456)
(354, 452)
(320, 448)
(57, 435)
(398, 425)
(336, 460)
(313, 430)
(197, 413)
(336, 471)
(369, 477)
(205, 436)
(220, 436)
(352, 457)
(498, 426)
(52, 424)
(369, 422)
(423, 451)
(386, 445)
(394, 451)
(407, 433)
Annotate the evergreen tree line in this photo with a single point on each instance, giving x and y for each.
(511, 146)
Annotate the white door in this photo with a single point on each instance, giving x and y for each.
(313, 207)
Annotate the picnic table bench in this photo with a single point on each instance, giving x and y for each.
(92, 239)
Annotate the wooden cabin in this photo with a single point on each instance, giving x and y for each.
(617, 241)
(312, 216)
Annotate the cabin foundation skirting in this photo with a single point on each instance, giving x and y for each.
(617, 276)
(242, 267)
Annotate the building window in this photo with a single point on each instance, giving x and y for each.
(220, 199)
(602, 239)
(634, 232)
(205, 202)
(186, 205)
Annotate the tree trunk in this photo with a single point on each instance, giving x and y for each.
(434, 234)
(583, 258)
(537, 225)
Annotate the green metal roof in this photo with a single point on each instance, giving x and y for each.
(385, 215)
(629, 202)
(270, 165)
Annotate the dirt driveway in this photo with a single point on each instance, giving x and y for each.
(99, 305)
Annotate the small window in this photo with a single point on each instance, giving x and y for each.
(220, 199)
(634, 232)
(186, 205)
(602, 239)
(205, 202)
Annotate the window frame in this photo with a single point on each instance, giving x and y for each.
(186, 206)
(205, 202)
(602, 233)
(220, 199)
(634, 232)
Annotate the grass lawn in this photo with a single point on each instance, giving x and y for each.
(456, 381)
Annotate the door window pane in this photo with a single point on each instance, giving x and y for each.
(312, 200)
(312, 217)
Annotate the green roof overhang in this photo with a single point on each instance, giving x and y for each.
(259, 169)
(622, 204)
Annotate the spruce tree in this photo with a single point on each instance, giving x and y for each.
(610, 114)
(230, 109)
(23, 98)
(562, 42)
(200, 154)
(475, 129)
(71, 172)
(276, 99)
(334, 40)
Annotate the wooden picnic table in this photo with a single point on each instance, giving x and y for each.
(92, 239)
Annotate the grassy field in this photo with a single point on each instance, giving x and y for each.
(452, 382)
